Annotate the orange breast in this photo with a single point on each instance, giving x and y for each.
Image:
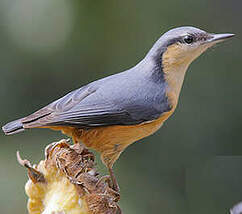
(110, 141)
(103, 138)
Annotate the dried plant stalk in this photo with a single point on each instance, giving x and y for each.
(66, 182)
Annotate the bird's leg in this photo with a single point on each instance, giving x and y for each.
(114, 180)
(109, 157)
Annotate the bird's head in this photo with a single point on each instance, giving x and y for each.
(175, 50)
(180, 46)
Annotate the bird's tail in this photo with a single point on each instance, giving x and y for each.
(13, 127)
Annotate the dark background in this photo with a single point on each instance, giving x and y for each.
(48, 48)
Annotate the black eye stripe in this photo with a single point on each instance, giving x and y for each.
(189, 39)
(180, 39)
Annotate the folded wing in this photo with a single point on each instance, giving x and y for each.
(72, 111)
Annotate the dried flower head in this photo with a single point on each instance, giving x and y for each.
(67, 182)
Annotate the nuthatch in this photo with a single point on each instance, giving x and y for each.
(111, 113)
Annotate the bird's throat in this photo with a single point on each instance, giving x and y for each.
(174, 73)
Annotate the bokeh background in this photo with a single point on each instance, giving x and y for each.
(50, 47)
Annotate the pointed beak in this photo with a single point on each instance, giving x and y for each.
(215, 38)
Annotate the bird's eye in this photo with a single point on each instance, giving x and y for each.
(189, 39)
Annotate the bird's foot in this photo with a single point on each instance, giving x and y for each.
(107, 179)
(115, 185)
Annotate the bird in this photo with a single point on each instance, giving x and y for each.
(111, 113)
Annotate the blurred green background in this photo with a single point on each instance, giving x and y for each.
(50, 47)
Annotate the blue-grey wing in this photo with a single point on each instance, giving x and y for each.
(110, 101)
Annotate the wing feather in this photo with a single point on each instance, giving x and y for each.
(105, 115)
(103, 103)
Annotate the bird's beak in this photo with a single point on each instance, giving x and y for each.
(215, 38)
